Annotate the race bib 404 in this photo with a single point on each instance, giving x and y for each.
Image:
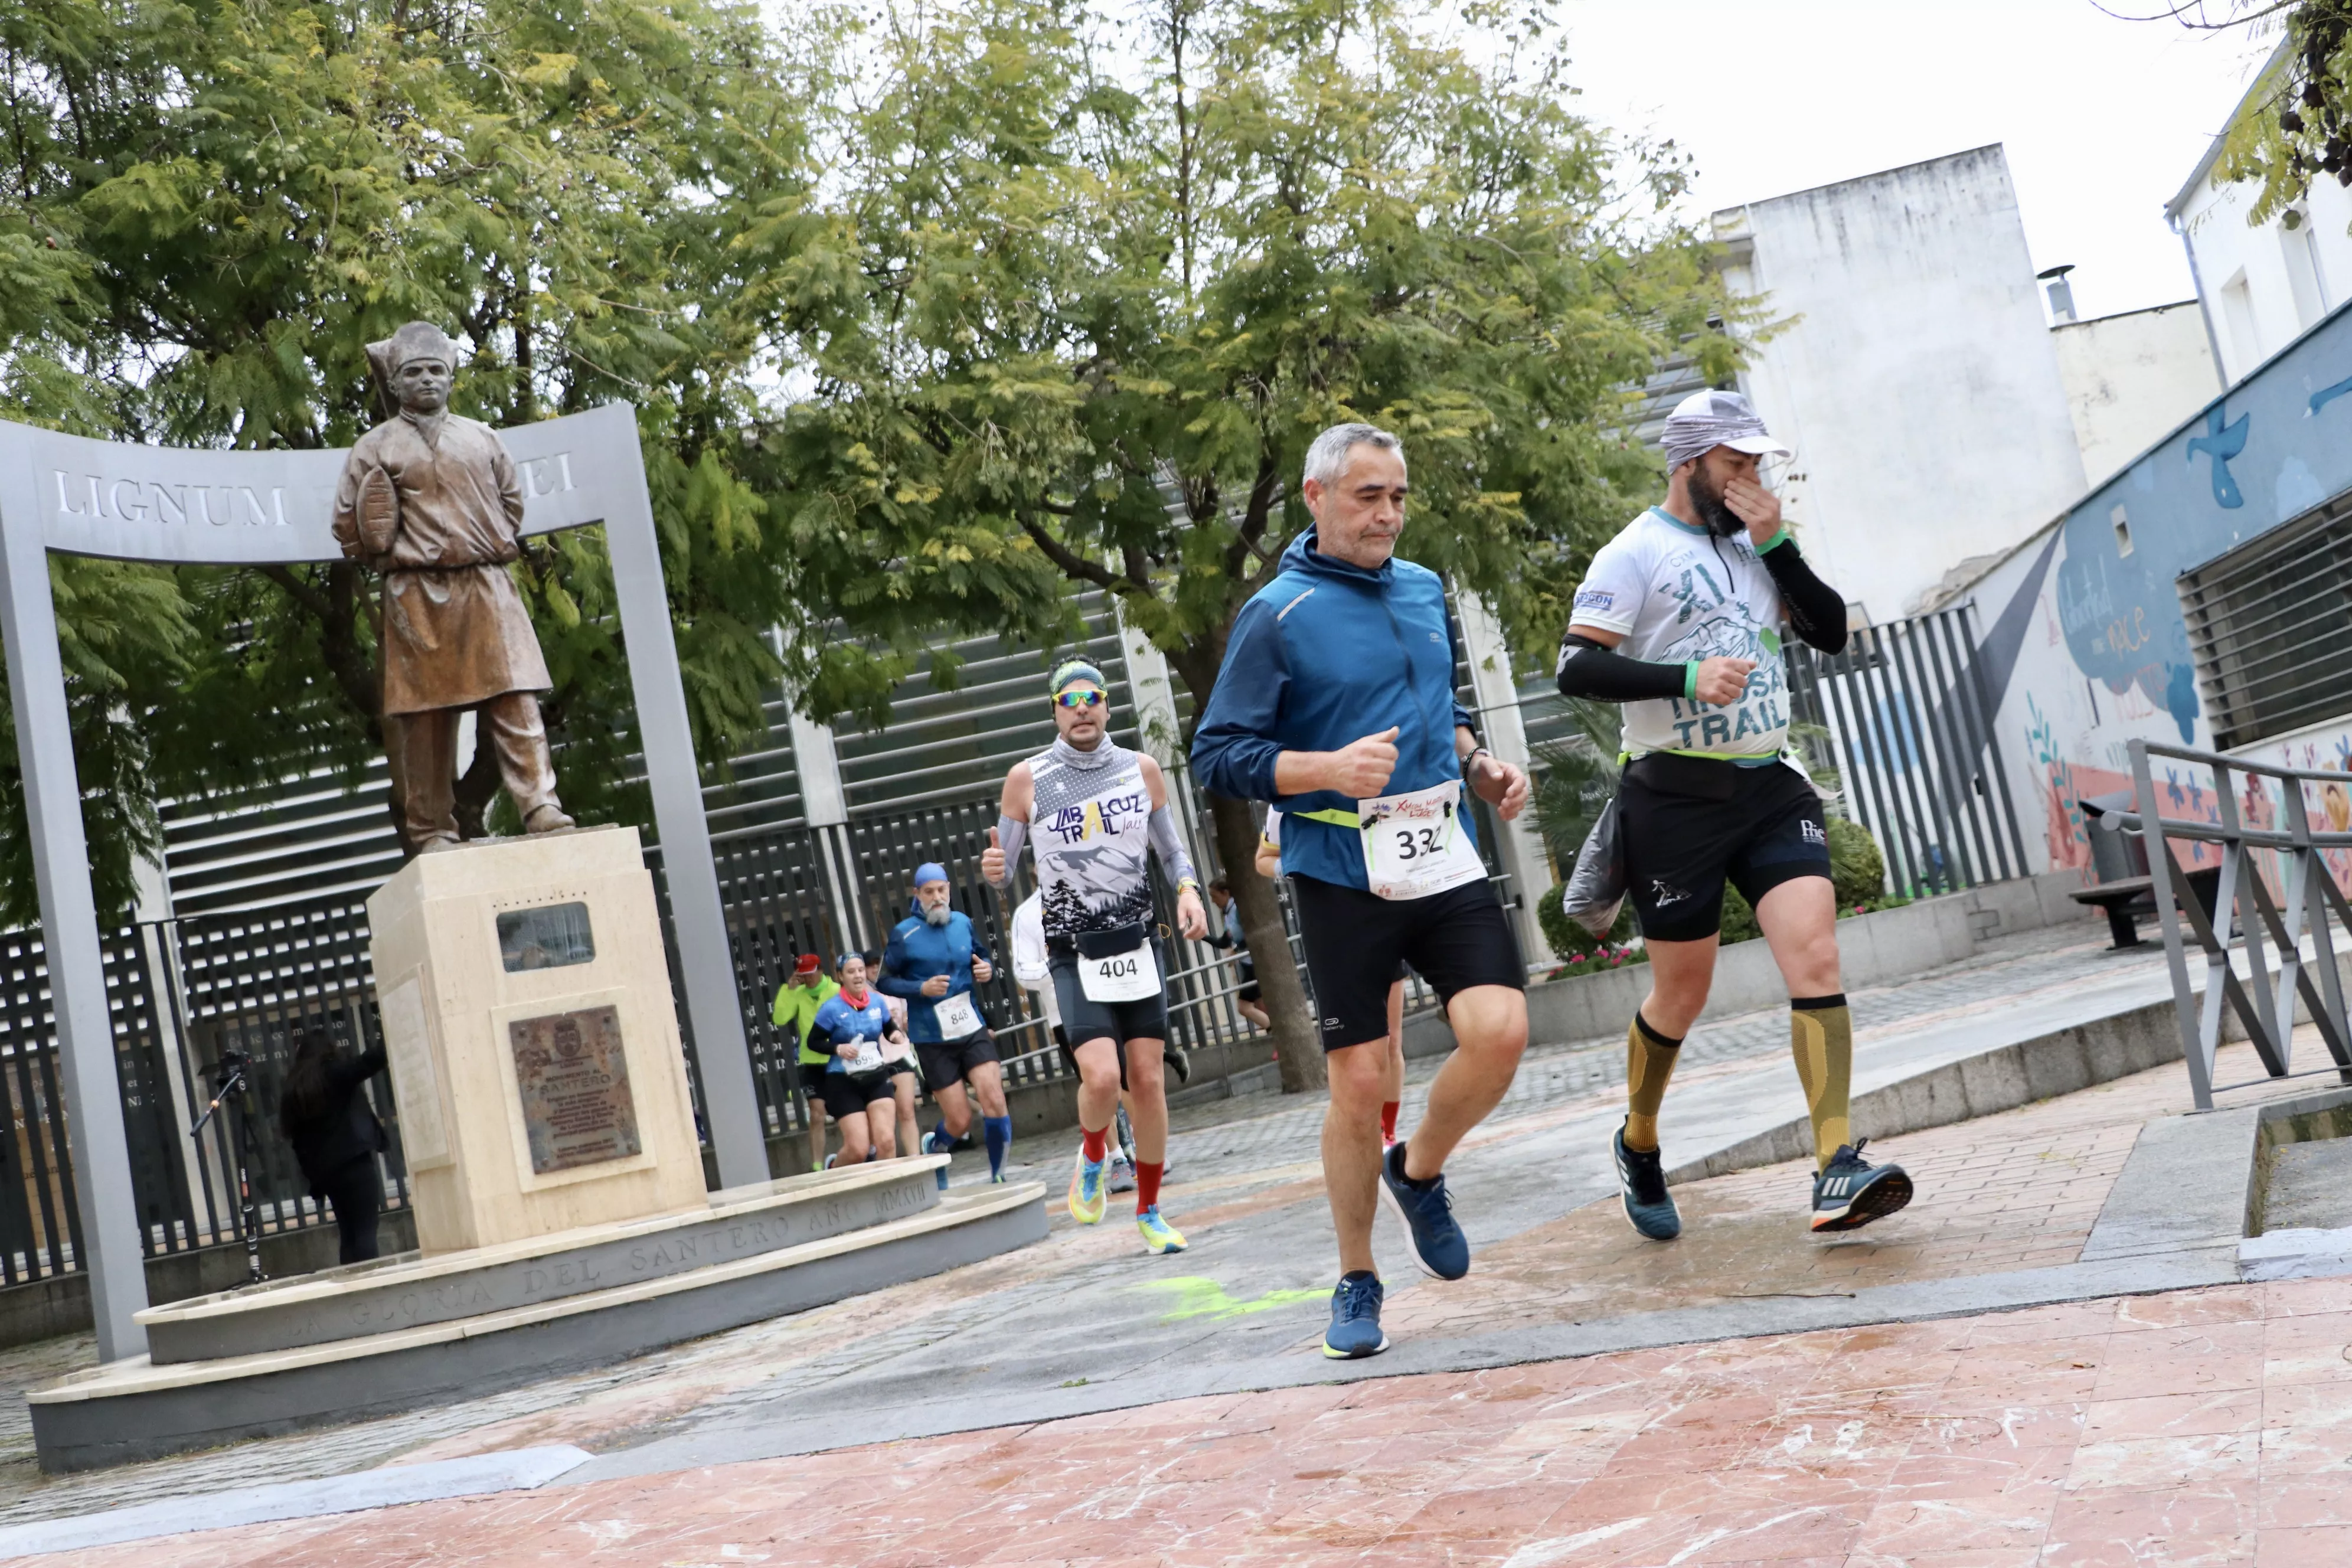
(1416, 843)
(1129, 976)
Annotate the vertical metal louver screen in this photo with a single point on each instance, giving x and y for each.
(2270, 623)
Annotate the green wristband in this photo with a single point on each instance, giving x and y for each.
(1690, 680)
(1778, 539)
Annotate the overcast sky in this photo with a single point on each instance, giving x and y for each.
(2103, 120)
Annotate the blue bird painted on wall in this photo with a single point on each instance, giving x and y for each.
(2221, 442)
(2327, 394)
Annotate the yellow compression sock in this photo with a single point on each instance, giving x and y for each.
(1820, 1037)
(1649, 1063)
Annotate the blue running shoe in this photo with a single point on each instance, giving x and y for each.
(1649, 1207)
(1355, 1331)
(929, 1149)
(1439, 1249)
(1852, 1192)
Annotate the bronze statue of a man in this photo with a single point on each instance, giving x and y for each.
(432, 501)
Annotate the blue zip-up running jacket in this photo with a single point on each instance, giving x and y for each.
(1325, 654)
(919, 950)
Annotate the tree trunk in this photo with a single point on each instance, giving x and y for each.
(1297, 1045)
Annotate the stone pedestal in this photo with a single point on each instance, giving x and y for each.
(535, 1053)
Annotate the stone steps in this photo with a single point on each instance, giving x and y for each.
(414, 1291)
(140, 1408)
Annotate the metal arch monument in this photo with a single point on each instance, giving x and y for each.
(186, 507)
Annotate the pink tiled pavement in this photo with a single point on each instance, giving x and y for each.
(2020, 1189)
(2211, 1426)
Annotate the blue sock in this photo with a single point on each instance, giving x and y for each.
(998, 1130)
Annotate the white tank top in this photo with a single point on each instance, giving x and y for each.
(1091, 829)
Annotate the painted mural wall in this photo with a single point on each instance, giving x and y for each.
(2082, 640)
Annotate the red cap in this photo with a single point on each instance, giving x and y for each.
(808, 964)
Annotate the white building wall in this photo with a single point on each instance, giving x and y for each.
(2264, 286)
(2130, 379)
(1914, 376)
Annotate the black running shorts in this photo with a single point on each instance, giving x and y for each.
(848, 1093)
(1680, 846)
(1355, 940)
(946, 1062)
(813, 1079)
(1084, 1019)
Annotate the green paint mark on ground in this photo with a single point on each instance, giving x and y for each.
(1197, 1296)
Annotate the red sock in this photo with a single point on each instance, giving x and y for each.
(1147, 1184)
(1098, 1144)
(1388, 1119)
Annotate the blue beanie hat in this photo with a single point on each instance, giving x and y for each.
(930, 871)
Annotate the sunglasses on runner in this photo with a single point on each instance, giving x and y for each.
(1079, 699)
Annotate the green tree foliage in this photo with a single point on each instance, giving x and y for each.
(2295, 126)
(210, 208)
(1113, 268)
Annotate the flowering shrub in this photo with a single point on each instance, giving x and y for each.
(1604, 956)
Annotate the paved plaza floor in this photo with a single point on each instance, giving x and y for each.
(2204, 1427)
(1750, 1394)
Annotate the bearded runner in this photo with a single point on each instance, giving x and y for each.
(933, 962)
(1679, 618)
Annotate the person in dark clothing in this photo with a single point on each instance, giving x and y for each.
(325, 1115)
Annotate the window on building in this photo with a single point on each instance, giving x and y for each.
(2303, 278)
(2268, 622)
(2238, 311)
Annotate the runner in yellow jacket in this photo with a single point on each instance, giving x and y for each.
(797, 1001)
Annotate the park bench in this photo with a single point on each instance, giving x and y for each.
(2125, 890)
(2124, 900)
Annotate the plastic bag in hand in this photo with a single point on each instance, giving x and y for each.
(1596, 888)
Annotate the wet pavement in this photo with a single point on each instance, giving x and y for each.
(1085, 1328)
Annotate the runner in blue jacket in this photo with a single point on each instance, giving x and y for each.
(1335, 703)
(933, 961)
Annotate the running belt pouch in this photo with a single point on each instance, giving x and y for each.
(1110, 943)
(1703, 778)
(1596, 888)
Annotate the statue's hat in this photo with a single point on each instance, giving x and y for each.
(417, 340)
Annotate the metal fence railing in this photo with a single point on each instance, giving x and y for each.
(1910, 727)
(2280, 879)
(182, 993)
(182, 990)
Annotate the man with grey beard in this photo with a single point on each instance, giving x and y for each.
(935, 961)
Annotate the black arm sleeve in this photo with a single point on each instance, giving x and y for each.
(1815, 612)
(1588, 670)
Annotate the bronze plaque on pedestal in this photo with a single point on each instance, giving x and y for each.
(576, 1105)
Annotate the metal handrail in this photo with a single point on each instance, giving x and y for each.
(2246, 918)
